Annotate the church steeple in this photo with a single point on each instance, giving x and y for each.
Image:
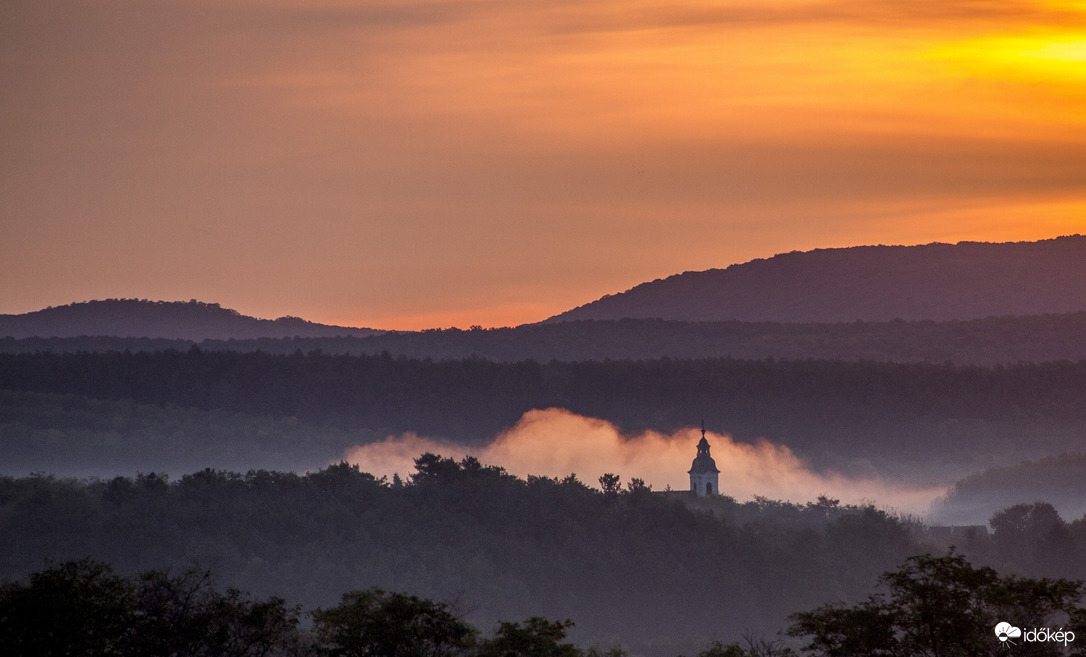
(704, 479)
(703, 444)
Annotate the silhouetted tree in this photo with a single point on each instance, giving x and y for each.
(751, 647)
(535, 637)
(375, 623)
(938, 607)
(610, 485)
(75, 608)
(186, 615)
(80, 608)
(1032, 539)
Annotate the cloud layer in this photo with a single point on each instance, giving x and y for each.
(555, 442)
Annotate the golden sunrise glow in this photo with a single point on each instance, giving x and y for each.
(462, 162)
(1047, 58)
(1071, 51)
(720, 71)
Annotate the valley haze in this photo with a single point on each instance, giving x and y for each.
(881, 308)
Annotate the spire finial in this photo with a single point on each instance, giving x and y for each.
(702, 427)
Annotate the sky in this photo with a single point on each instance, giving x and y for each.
(406, 165)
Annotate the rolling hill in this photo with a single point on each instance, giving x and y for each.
(967, 280)
(192, 320)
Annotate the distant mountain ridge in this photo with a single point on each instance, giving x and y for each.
(967, 280)
(191, 320)
(986, 342)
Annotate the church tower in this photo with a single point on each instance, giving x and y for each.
(704, 479)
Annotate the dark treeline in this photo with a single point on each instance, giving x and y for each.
(72, 435)
(473, 398)
(980, 342)
(930, 605)
(83, 609)
(100, 343)
(630, 566)
(821, 409)
(944, 606)
(382, 390)
(652, 571)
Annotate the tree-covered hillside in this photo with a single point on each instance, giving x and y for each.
(891, 416)
(931, 281)
(634, 566)
(658, 573)
(140, 318)
(989, 341)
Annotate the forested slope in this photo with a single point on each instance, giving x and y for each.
(140, 318)
(895, 416)
(931, 281)
(989, 341)
(630, 567)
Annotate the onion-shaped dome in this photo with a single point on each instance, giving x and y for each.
(703, 463)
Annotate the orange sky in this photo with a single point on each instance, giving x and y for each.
(414, 164)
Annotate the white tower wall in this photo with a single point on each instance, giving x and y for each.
(705, 483)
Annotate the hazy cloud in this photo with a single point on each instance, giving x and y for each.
(556, 442)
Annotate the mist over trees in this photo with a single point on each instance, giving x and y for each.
(630, 565)
(466, 560)
(1058, 480)
(658, 574)
(835, 414)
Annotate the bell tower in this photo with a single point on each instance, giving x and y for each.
(704, 476)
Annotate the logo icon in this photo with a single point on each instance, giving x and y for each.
(1005, 632)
